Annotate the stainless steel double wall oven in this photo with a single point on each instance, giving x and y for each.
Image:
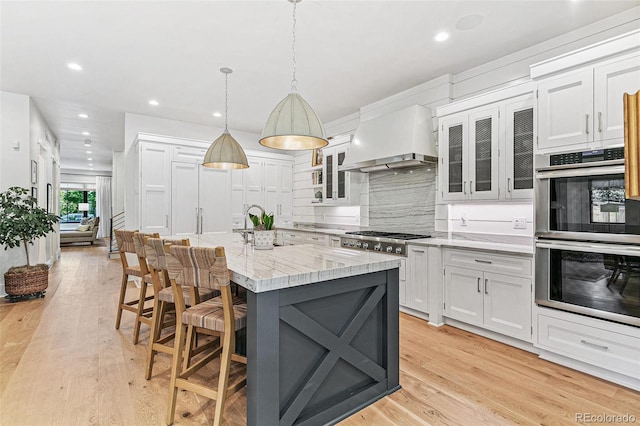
(587, 236)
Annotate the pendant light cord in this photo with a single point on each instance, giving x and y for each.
(226, 102)
(294, 82)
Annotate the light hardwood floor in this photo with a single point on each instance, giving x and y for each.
(63, 363)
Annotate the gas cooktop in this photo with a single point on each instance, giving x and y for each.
(392, 235)
(387, 242)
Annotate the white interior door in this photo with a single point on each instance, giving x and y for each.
(271, 179)
(214, 200)
(155, 200)
(253, 183)
(184, 198)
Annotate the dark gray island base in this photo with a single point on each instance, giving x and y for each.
(318, 353)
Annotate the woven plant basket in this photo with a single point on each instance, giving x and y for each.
(26, 282)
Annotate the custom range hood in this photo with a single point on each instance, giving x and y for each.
(402, 138)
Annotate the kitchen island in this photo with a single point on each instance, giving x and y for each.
(322, 330)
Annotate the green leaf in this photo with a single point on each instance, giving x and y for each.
(21, 220)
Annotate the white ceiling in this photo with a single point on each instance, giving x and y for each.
(349, 54)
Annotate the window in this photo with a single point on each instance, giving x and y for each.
(70, 209)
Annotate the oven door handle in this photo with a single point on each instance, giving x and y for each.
(584, 171)
(588, 247)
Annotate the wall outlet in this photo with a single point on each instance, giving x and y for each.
(519, 223)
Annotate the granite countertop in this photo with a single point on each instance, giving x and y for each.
(504, 243)
(290, 266)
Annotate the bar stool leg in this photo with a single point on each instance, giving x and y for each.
(123, 291)
(178, 352)
(140, 311)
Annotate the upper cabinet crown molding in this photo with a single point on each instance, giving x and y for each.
(486, 98)
(612, 47)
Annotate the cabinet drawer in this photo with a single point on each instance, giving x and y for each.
(291, 238)
(603, 348)
(490, 262)
(318, 239)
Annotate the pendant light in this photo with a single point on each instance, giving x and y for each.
(225, 152)
(293, 124)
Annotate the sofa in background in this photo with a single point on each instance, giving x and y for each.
(81, 236)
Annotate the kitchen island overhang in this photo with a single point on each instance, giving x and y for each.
(322, 332)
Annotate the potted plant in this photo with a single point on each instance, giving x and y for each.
(22, 222)
(263, 233)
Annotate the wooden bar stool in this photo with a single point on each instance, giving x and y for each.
(125, 240)
(203, 267)
(143, 315)
(163, 316)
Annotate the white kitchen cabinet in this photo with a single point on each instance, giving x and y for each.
(267, 183)
(200, 197)
(582, 109)
(155, 187)
(475, 293)
(288, 238)
(518, 148)
(470, 155)
(338, 187)
(604, 344)
(416, 279)
(334, 241)
(486, 146)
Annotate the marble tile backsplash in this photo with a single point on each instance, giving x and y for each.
(403, 200)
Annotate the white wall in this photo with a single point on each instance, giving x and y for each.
(21, 122)
(117, 183)
(14, 164)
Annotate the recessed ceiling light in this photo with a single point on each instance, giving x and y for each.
(74, 66)
(83, 115)
(441, 36)
(86, 133)
(89, 159)
(469, 22)
(88, 152)
(153, 102)
(217, 114)
(91, 164)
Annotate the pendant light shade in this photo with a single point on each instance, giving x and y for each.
(225, 152)
(293, 124)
